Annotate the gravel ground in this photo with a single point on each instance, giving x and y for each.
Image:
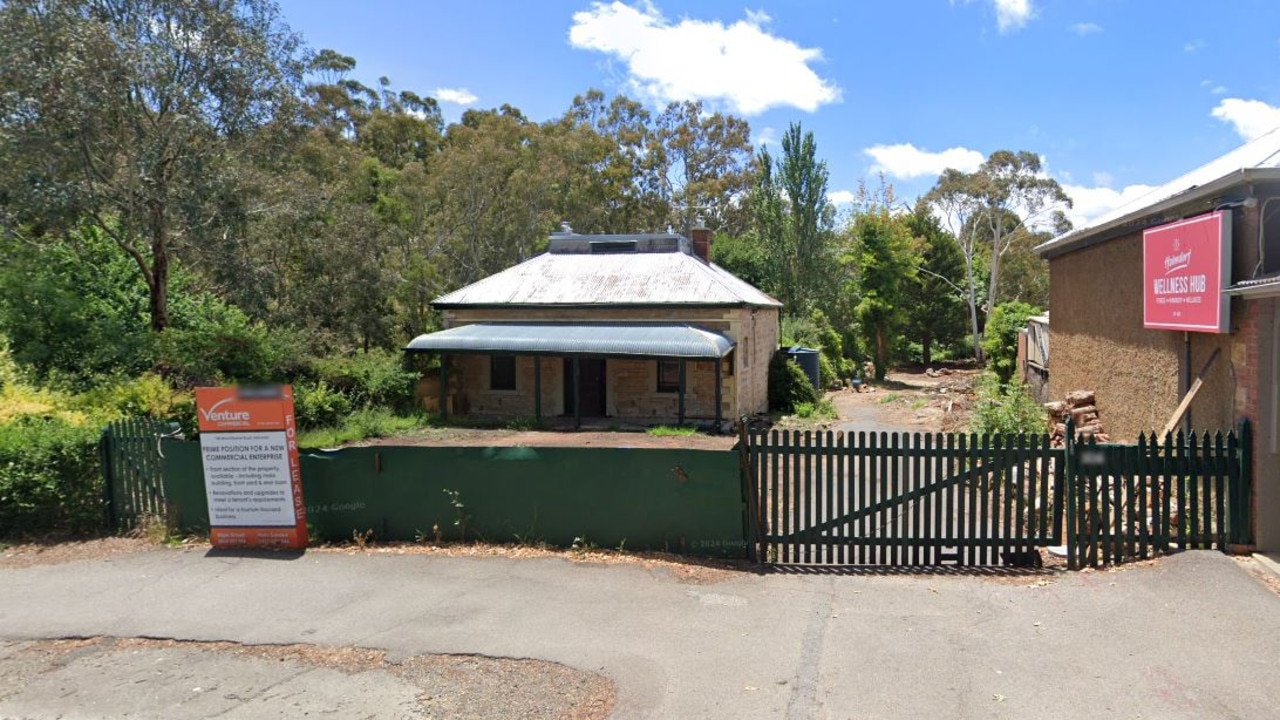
(187, 679)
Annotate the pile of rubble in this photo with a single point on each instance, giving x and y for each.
(1081, 407)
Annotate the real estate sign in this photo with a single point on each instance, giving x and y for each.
(252, 478)
(1186, 265)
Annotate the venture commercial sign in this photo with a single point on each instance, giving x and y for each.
(248, 441)
(1186, 265)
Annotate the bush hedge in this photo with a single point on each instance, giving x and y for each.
(788, 385)
(50, 478)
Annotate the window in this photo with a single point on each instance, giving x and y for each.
(746, 352)
(502, 372)
(668, 376)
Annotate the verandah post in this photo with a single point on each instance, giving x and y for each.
(577, 395)
(719, 392)
(681, 411)
(444, 386)
(537, 388)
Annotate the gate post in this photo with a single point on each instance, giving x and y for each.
(1072, 491)
(1243, 524)
(108, 492)
(751, 524)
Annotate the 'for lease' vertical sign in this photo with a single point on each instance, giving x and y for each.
(1185, 267)
(252, 478)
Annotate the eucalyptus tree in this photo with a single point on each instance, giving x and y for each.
(988, 208)
(132, 116)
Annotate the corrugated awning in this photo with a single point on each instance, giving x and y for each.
(664, 340)
(1268, 285)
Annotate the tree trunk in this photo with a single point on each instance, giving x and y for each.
(881, 355)
(158, 285)
(926, 354)
(973, 311)
(993, 288)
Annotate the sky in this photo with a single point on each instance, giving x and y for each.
(1115, 96)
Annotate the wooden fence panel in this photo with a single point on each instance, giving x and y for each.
(903, 499)
(1189, 491)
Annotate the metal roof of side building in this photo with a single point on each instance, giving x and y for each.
(626, 270)
(1257, 160)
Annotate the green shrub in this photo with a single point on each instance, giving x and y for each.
(316, 405)
(817, 332)
(788, 385)
(148, 395)
(1000, 337)
(50, 477)
(75, 310)
(1006, 408)
(361, 424)
(821, 410)
(219, 344)
(376, 378)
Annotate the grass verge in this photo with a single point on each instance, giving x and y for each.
(672, 431)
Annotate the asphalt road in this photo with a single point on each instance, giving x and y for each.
(1193, 636)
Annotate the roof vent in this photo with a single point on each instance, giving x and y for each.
(602, 247)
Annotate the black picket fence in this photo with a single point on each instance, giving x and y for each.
(899, 499)
(1131, 501)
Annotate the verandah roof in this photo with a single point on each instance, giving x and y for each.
(636, 339)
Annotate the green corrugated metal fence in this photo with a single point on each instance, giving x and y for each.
(678, 500)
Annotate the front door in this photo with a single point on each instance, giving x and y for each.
(591, 379)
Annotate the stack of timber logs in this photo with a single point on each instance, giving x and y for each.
(1080, 406)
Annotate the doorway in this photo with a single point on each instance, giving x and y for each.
(591, 379)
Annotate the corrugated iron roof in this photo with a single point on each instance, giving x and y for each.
(1268, 285)
(1257, 159)
(646, 278)
(671, 340)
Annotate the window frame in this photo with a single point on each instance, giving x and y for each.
(668, 387)
(496, 373)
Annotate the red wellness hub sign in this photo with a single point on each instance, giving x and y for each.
(1186, 266)
(249, 448)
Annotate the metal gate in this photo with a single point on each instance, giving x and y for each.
(827, 498)
(132, 470)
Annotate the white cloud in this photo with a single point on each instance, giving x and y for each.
(1012, 14)
(840, 197)
(1086, 28)
(1091, 203)
(740, 64)
(457, 96)
(1101, 178)
(906, 161)
(1249, 118)
(766, 136)
(1218, 90)
(1194, 45)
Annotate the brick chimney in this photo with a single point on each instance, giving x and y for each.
(701, 238)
